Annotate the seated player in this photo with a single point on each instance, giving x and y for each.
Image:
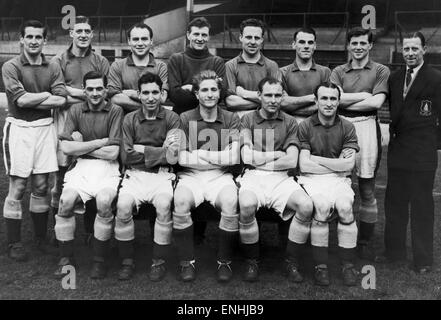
(328, 145)
(213, 146)
(270, 149)
(95, 173)
(151, 144)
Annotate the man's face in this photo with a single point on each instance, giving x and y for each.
(140, 41)
(150, 96)
(327, 101)
(413, 52)
(33, 41)
(252, 39)
(304, 45)
(359, 47)
(81, 35)
(208, 93)
(271, 97)
(198, 37)
(95, 91)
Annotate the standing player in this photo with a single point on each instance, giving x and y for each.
(327, 157)
(213, 146)
(244, 72)
(151, 143)
(184, 66)
(93, 134)
(125, 73)
(75, 62)
(33, 88)
(302, 76)
(270, 148)
(364, 85)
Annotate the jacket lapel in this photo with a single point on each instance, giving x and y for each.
(419, 83)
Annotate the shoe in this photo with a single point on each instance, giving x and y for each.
(224, 272)
(252, 272)
(17, 252)
(126, 271)
(188, 271)
(422, 270)
(64, 261)
(321, 275)
(157, 272)
(99, 270)
(293, 272)
(365, 252)
(350, 275)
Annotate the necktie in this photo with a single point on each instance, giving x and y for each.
(408, 77)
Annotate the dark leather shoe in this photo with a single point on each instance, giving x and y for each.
(293, 273)
(224, 272)
(17, 252)
(188, 271)
(99, 270)
(321, 275)
(64, 261)
(252, 271)
(422, 270)
(157, 272)
(350, 275)
(126, 271)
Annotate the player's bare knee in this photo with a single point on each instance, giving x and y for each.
(322, 210)
(344, 208)
(182, 202)
(305, 208)
(17, 189)
(248, 204)
(367, 189)
(124, 210)
(104, 204)
(228, 202)
(67, 203)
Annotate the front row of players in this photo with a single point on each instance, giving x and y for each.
(206, 142)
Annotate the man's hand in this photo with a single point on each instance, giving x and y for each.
(139, 148)
(188, 87)
(347, 153)
(170, 140)
(76, 136)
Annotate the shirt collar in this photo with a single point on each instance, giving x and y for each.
(198, 117)
(141, 117)
(24, 61)
(70, 55)
(295, 67)
(260, 119)
(316, 121)
(348, 66)
(416, 69)
(107, 107)
(151, 63)
(261, 61)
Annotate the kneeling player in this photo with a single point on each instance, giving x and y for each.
(213, 146)
(327, 156)
(270, 148)
(96, 172)
(151, 143)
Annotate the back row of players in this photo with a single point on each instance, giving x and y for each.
(253, 86)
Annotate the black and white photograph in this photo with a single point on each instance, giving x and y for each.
(220, 155)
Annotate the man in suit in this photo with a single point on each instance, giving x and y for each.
(415, 100)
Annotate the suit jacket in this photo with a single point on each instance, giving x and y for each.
(414, 130)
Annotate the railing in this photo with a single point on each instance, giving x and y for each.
(417, 20)
(227, 22)
(10, 25)
(107, 28)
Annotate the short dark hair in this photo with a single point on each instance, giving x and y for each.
(252, 23)
(94, 75)
(206, 75)
(417, 34)
(329, 85)
(357, 32)
(82, 19)
(140, 25)
(269, 80)
(149, 77)
(199, 22)
(33, 24)
(305, 30)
